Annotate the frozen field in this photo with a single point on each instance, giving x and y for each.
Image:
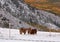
(14, 36)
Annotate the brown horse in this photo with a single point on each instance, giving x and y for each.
(22, 30)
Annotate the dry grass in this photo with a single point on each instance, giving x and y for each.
(43, 28)
(45, 5)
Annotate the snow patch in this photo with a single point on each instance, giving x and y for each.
(40, 36)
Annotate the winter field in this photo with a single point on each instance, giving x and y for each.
(14, 36)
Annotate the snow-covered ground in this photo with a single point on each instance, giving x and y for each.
(16, 37)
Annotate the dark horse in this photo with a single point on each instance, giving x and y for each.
(32, 31)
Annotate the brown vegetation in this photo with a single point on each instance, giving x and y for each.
(44, 28)
(45, 5)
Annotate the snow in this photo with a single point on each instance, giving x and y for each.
(52, 26)
(14, 21)
(12, 41)
(2, 2)
(16, 37)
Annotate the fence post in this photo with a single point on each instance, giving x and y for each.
(9, 29)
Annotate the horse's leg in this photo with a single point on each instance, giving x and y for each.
(20, 32)
(35, 31)
(24, 32)
(29, 30)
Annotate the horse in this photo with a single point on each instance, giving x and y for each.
(32, 31)
(22, 30)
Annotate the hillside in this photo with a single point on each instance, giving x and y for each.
(47, 5)
(21, 14)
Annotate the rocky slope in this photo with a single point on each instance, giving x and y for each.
(28, 14)
(11, 20)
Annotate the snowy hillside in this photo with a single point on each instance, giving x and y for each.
(13, 20)
(14, 36)
(24, 12)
